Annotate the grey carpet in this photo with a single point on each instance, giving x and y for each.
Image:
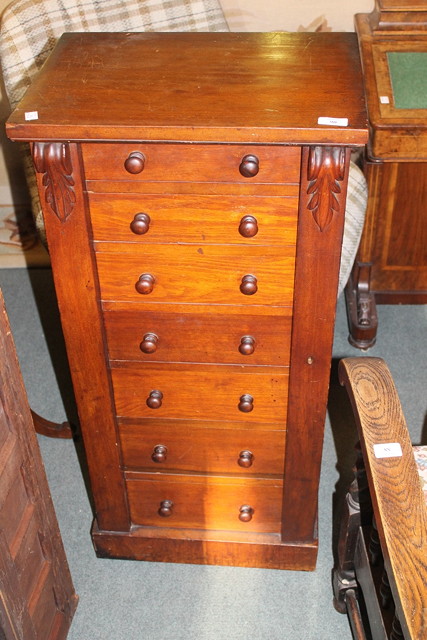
(155, 601)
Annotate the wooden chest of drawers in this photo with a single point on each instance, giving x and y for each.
(194, 210)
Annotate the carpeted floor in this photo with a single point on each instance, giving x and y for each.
(149, 601)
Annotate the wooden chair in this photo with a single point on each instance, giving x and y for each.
(28, 33)
(381, 574)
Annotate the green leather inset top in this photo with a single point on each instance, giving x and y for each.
(408, 74)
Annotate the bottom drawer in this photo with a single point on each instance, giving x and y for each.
(203, 502)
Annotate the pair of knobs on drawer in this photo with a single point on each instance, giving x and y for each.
(249, 165)
(150, 341)
(246, 512)
(146, 281)
(248, 227)
(160, 452)
(155, 400)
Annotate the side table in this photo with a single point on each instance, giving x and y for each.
(391, 264)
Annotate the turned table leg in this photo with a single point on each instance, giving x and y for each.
(361, 307)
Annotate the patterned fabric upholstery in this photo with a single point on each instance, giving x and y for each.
(357, 198)
(30, 28)
(420, 455)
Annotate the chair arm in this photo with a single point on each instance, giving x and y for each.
(395, 488)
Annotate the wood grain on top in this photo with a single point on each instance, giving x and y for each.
(195, 87)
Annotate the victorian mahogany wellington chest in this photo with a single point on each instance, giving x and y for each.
(193, 188)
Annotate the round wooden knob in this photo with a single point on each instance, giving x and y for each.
(159, 453)
(247, 345)
(149, 343)
(245, 513)
(249, 285)
(145, 283)
(135, 162)
(154, 400)
(246, 459)
(246, 403)
(249, 166)
(140, 224)
(165, 509)
(248, 227)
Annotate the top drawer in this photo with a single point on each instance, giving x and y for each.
(192, 163)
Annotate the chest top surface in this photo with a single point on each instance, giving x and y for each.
(212, 87)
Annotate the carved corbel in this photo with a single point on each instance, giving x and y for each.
(53, 160)
(325, 171)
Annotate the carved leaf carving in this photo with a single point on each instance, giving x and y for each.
(326, 169)
(54, 161)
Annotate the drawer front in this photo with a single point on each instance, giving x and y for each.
(198, 502)
(207, 219)
(194, 163)
(194, 273)
(160, 447)
(195, 333)
(207, 393)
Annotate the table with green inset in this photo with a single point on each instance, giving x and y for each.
(391, 265)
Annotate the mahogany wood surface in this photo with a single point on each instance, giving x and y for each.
(176, 188)
(197, 273)
(395, 238)
(319, 243)
(395, 488)
(400, 5)
(395, 134)
(157, 544)
(76, 285)
(195, 221)
(37, 595)
(194, 333)
(206, 503)
(201, 449)
(193, 391)
(409, 16)
(208, 219)
(204, 163)
(239, 87)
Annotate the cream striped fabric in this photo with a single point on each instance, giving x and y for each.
(357, 198)
(30, 28)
